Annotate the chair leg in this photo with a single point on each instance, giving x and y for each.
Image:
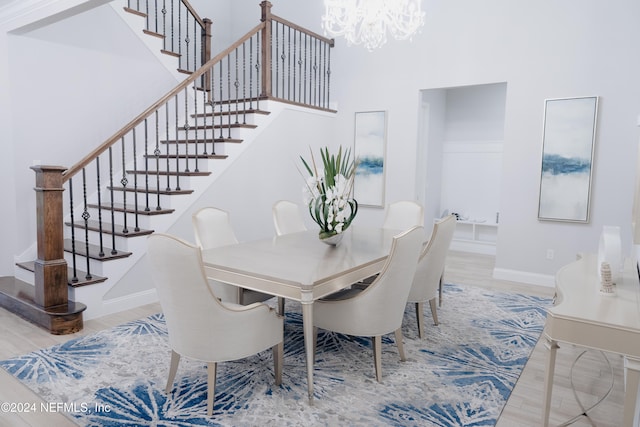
(420, 318)
(281, 306)
(434, 311)
(400, 345)
(377, 356)
(315, 342)
(211, 386)
(173, 368)
(278, 351)
(440, 290)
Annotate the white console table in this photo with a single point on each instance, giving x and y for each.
(584, 317)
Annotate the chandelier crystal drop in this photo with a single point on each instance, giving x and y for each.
(367, 22)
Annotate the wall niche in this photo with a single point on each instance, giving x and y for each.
(460, 160)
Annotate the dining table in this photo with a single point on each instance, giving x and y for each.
(300, 267)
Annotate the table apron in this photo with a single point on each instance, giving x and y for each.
(592, 335)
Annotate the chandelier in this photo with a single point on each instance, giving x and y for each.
(367, 22)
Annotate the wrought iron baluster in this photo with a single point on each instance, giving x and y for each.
(135, 183)
(101, 252)
(229, 96)
(236, 83)
(177, 147)
(213, 109)
(258, 76)
(113, 235)
(179, 35)
(124, 181)
(85, 217)
(251, 73)
(186, 128)
(164, 24)
(195, 126)
(113, 222)
(244, 83)
(220, 100)
(74, 268)
(277, 61)
(289, 63)
(295, 40)
(166, 111)
(187, 40)
(156, 153)
(146, 167)
(328, 78)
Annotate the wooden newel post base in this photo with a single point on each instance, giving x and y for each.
(48, 304)
(50, 267)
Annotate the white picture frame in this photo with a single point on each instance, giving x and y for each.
(568, 147)
(370, 136)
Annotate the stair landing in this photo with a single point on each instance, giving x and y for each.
(19, 298)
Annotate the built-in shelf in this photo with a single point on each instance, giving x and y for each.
(474, 236)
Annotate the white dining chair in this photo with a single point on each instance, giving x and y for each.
(199, 325)
(287, 218)
(212, 229)
(403, 215)
(400, 215)
(377, 309)
(427, 282)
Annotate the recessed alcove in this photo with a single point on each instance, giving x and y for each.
(460, 160)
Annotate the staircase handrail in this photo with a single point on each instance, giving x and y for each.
(194, 13)
(70, 172)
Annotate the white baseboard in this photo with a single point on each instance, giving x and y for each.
(524, 277)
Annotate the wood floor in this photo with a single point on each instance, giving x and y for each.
(591, 376)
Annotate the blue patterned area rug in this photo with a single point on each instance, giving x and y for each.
(461, 374)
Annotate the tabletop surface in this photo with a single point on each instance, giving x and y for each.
(579, 297)
(301, 259)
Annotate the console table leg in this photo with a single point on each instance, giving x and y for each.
(552, 346)
(632, 381)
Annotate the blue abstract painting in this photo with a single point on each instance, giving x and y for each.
(567, 157)
(370, 135)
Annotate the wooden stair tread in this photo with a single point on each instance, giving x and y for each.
(153, 34)
(170, 53)
(185, 156)
(224, 126)
(170, 173)
(119, 207)
(135, 12)
(94, 251)
(107, 229)
(153, 191)
(227, 113)
(193, 141)
(19, 297)
(82, 276)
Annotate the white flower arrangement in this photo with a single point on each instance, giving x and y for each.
(328, 191)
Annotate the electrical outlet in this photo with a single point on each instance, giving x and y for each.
(550, 254)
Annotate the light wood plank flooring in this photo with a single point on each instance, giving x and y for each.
(591, 375)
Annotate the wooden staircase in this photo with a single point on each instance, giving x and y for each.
(156, 167)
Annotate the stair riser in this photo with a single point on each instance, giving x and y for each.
(121, 243)
(201, 135)
(181, 164)
(217, 149)
(130, 198)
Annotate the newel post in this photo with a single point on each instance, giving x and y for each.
(50, 266)
(266, 48)
(206, 54)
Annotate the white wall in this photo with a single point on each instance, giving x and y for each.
(73, 84)
(541, 49)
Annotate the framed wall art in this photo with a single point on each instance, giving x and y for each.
(369, 150)
(568, 148)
